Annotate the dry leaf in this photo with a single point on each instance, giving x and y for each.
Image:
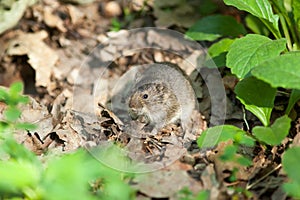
(163, 184)
(53, 20)
(41, 57)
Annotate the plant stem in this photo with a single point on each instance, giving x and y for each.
(281, 10)
(274, 31)
(286, 32)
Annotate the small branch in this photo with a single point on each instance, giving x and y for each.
(248, 187)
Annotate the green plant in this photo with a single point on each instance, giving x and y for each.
(264, 60)
(128, 17)
(291, 165)
(70, 176)
(12, 98)
(187, 194)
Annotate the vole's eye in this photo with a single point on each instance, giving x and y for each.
(145, 96)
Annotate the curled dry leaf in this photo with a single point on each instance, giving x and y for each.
(75, 14)
(53, 20)
(41, 57)
(36, 113)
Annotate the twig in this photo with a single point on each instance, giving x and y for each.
(263, 177)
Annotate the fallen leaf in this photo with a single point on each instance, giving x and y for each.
(41, 57)
(53, 20)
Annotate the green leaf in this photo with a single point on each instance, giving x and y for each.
(18, 151)
(217, 61)
(281, 71)
(203, 195)
(244, 161)
(291, 163)
(295, 96)
(296, 12)
(212, 136)
(276, 133)
(220, 47)
(83, 168)
(292, 189)
(217, 53)
(3, 95)
(17, 176)
(74, 178)
(25, 126)
(3, 127)
(207, 7)
(12, 114)
(213, 27)
(257, 96)
(16, 88)
(15, 96)
(255, 25)
(247, 52)
(229, 153)
(259, 8)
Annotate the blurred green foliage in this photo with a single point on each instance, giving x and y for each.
(23, 175)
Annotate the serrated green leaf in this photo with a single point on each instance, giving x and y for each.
(257, 96)
(259, 8)
(217, 134)
(276, 133)
(247, 52)
(213, 27)
(281, 71)
(295, 96)
(256, 26)
(12, 114)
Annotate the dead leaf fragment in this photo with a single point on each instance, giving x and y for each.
(162, 184)
(53, 20)
(41, 57)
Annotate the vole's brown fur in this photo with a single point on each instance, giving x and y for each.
(161, 95)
